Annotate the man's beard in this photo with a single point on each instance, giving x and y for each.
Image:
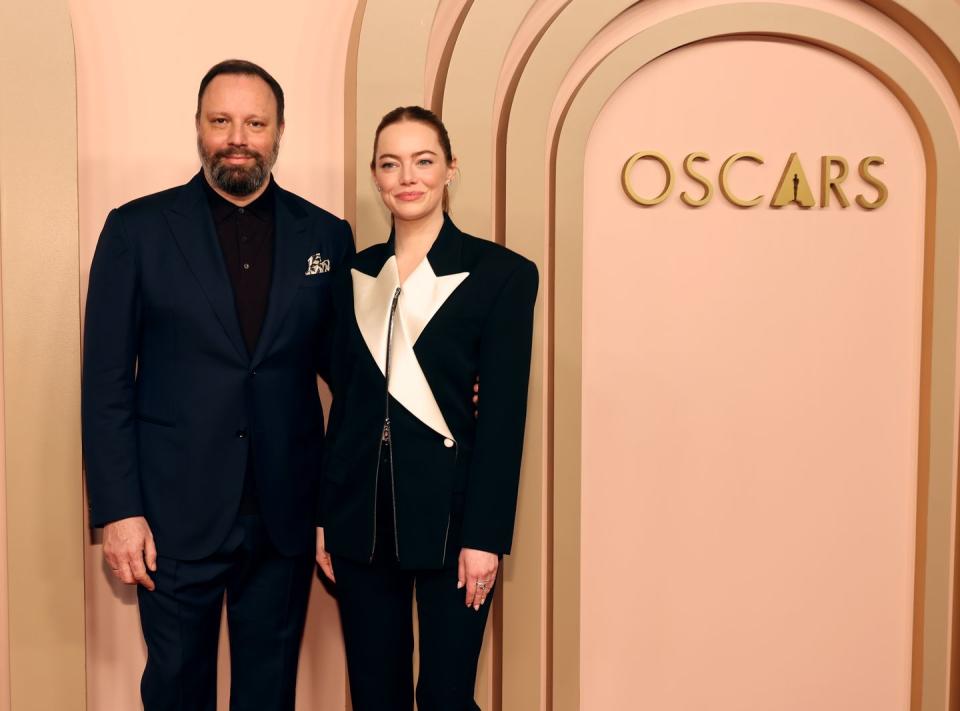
(238, 180)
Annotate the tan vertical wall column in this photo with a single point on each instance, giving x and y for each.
(41, 356)
(4, 607)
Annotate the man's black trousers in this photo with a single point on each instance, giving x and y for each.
(266, 596)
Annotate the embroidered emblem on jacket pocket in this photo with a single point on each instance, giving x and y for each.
(317, 265)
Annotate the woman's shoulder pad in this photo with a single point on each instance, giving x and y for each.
(494, 254)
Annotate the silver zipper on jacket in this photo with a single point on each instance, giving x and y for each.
(393, 498)
(376, 483)
(385, 438)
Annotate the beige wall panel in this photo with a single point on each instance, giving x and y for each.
(644, 15)
(350, 116)
(38, 229)
(136, 99)
(525, 216)
(535, 23)
(4, 582)
(939, 133)
(936, 26)
(447, 22)
(468, 107)
(760, 470)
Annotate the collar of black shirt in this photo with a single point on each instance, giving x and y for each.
(262, 208)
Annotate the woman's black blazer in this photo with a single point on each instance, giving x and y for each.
(467, 310)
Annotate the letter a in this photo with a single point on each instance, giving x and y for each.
(793, 186)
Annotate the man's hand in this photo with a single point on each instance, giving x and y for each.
(478, 571)
(127, 545)
(323, 558)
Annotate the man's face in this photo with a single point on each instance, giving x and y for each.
(238, 136)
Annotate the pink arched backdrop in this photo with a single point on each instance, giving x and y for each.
(750, 388)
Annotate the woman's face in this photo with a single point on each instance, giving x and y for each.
(411, 170)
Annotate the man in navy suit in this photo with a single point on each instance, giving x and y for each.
(208, 319)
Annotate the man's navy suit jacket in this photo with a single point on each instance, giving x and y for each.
(173, 403)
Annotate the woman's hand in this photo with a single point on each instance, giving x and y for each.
(323, 558)
(478, 571)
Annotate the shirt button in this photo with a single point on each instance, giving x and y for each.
(448, 443)
(241, 434)
(240, 210)
(246, 265)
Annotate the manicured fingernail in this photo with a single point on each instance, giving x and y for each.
(459, 584)
(476, 608)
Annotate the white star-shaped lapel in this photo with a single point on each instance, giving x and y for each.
(421, 297)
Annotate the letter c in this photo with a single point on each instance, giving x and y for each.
(725, 169)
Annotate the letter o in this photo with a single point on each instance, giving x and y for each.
(628, 188)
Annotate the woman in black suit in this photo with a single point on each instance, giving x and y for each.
(419, 492)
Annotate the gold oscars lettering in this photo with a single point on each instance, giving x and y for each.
(794, 187)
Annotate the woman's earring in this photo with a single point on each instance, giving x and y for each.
(379, 189)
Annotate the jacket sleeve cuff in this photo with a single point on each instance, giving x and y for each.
(115, 502)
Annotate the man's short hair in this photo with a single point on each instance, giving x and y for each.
(243, 67)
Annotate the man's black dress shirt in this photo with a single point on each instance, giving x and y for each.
(246, 239)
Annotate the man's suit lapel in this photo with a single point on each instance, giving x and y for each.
(192, 227)
(289, 262)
